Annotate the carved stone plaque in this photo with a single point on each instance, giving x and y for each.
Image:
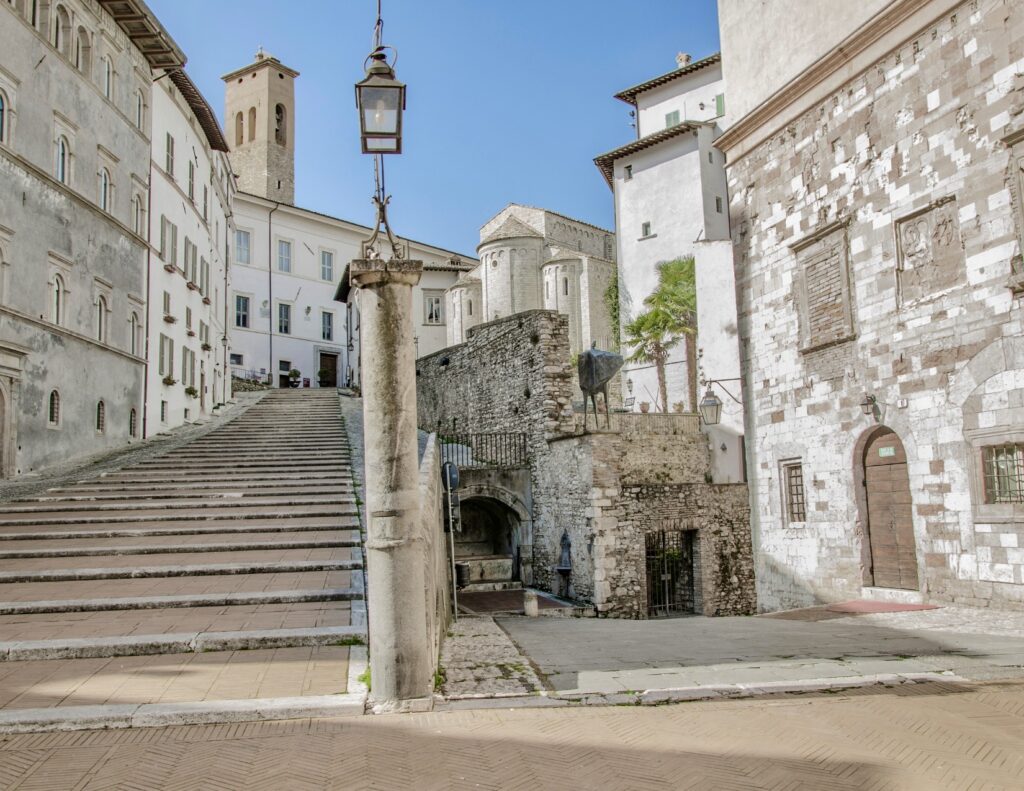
(930, 253)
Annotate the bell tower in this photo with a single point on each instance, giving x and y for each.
(259, 118)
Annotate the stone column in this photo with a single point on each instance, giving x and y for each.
(401, 670)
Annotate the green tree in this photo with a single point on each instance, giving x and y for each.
(670, 317)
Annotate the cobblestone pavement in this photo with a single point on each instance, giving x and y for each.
(928, 737)
(613, 656)
(480, 660)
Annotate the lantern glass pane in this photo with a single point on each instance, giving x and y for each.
(381, 144)
(380, 108)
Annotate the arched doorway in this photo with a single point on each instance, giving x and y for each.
(887, 511)
(489, 543)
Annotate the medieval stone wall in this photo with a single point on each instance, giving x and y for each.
(874, 240)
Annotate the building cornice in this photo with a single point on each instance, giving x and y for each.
(56, 329)
(606, 162)
(629, 95)
(145, 32)
(866, 45)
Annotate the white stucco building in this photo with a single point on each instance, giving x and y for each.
(533, 259)
(190, 229)
(671, 202)
(289, 260)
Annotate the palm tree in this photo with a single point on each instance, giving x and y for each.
(671, 315)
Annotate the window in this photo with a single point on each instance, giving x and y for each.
(191, 181)
(284, 319)
(547, 289)
(169, 156)
(1003, 471)
(793, 489)
(206, 203)
(239, 129)
(62, 32)
(101, 319)
(63, 169)
(470, 306)
(166, 358)
(189, 267)
(284, 366)
(645, 230)
(140, 109)
(672, 118)
(53, 409)
(163, 411)
(242, 312)
(3, 117)
(133, 424)
(83, 61)
(188, 318)
(433, 304)
(108, 78)
(101, 417)
(565, 286)
(167, 303)
(284, 255)
(138, 215)
(252, 124)
(280, 125)
(57, 300)
(236, 359)
(327, 266)
(168, 241)
(720, 105)
(627, 173)
(104, 189)
(718, 204)
(204, 277)
(134, 335)
(242, 247)
(327, 326)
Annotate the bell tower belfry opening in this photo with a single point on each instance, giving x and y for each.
(259, 117)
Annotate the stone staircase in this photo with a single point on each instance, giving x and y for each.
(202, 573)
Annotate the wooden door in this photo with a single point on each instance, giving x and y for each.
(329, 366)
(890, 520)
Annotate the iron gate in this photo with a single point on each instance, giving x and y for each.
(670, 586)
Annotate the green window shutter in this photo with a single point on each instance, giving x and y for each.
(671, 119)
(720, 105)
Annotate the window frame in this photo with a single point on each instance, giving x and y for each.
(291, 257)
(247, 313)
(248, 246)
(284, 322)
(327, 325)
(787, 493)
(428, 296)
(54, 413)
(329, 278)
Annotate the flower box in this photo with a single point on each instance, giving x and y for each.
(170, 319)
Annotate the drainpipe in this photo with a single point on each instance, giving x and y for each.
(270, 288)
(228, 217)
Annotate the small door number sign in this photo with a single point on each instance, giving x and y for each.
(890, 451)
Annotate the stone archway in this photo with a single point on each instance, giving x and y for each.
(490, 543)
(885, 505)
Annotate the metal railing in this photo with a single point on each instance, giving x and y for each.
(506, 450)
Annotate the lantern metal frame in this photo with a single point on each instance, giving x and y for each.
(380, 75)
(712, 401)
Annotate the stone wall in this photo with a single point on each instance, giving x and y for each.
(899, 195)
(435, 544)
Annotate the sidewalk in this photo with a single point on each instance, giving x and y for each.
(615, 661)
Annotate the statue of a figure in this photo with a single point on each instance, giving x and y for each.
(596, 368)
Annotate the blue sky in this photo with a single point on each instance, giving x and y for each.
(508, 100)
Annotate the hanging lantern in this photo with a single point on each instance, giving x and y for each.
(381, 100)
(710, 408)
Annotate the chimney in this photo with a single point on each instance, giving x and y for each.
(683, 59)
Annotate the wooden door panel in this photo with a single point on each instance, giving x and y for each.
(890, 513)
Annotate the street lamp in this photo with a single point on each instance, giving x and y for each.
(710, 408)
(868, 405)
(380, 98)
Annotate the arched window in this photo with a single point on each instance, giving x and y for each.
(62, 32)
(470, 307)
(565, 286)
(104, 189)
(63, 170)
(108, 78)
(83, 51)
(101, 417)
(3, 118)
(252, 124)
(57, 300)
(140, 109)
(133, 424)
(239, 129)
(53, 409)
(134, 335)
(101, 319)
(280, 125)
(138, 215)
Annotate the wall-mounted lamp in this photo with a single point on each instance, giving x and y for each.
(629, 386)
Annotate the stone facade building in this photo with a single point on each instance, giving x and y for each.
(671, 202)
(75, 79)
(531, 259)
(875, 187)
(621, 518)
(190, 225)
(289, 260)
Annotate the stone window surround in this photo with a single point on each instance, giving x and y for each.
(251, 300)
(103, 289)
(798, 248)
(291, 254)
(1015, 143)
(9, 90)
(63, 127)
(977, 439)
(278, 303)
(6, 237)
(783, 464)
(249, 233)
(334, 259)
(58, 267)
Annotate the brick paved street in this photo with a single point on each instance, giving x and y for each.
(923, 737)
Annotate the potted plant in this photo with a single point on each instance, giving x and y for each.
(645, 406)
(191, 286)
(207, 347)
(170, 319)
(170, 380)
(323, 376)
(190, 332)
(191, 392)
(207, 301)
(294, 374)
(169, 267)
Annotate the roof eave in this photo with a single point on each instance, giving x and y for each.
(629, 95)
(146, 33)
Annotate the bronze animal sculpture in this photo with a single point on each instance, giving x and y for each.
(596, 368)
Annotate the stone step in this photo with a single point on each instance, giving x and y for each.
(204, 570)
(215, 501)
(161, 515)
(249, 466)
(188, 556)
(179, 643)
(198, 487)
(215, 527)
(218, 478)
(159, 549)
(183, 600)
(148, 494)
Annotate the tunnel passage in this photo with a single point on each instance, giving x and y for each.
(489, 544)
